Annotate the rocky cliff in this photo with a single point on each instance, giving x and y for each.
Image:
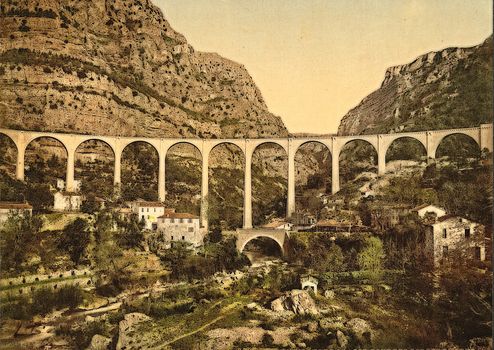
(116, 67)
(443, 89)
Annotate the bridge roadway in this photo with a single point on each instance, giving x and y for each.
(430, 140)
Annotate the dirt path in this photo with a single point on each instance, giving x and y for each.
(224, 312)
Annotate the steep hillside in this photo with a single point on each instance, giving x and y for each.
(117, 67)
(448, 88)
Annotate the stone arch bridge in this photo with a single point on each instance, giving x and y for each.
(430, 140)
(244, 236)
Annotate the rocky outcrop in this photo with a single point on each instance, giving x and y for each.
(296, 301)
(126, 329)
(99, 342)
(116, 67)
(443, 89)
(361, 330)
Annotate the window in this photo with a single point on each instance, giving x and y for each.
(191, 229)
(172, 238)
(181, 220)
(172, 220)
(148, 210)
(445, 250)
(478, 253)
(467, 232)
(142, 216)
(445, 233)
(190, 221)
(183, 238)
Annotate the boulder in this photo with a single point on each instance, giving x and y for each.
(312, 327)
(361, 330)
(341, 339)
(126, 326)
(329, 294)
(297, 301)
(99, 342)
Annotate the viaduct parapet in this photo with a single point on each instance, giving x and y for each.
(430, 140)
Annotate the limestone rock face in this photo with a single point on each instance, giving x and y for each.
(435, 91)
(361, 330)
(297, 301)
(117, 67)
(126, 326)
(99, 342)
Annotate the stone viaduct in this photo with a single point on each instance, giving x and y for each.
(430, 140)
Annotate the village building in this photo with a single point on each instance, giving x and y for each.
(303, 218)
(451, 234)
(61, 185)
(425, 209)
(309, 283)
(8, 209)
(67, 201)
(148, 212)
(384, 217)
(177, 227)
(278, 224)
(332, 225)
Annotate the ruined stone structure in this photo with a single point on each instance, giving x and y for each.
(430, 140)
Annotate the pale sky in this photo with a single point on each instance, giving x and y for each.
(313, 60)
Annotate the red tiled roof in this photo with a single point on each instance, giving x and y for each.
(447, 217)
(173, 215)
(150, 204)
(274, 224)
(333, 223)
(15, 205)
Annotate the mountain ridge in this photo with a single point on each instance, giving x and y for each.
(433, 91)
(118, 67)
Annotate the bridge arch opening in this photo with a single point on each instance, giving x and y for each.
(140, 164)
(183, 167)
(226, 186)
(357, 162)
(313, 162)
(94, 167)
(45, 161)
(405, 151)
(269, 183)
(260, 248)
(8, 155)
(458, 147)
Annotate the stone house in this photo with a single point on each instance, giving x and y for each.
(175, 227)
(309, 283)
(278, 224)
(302, 218)
(61, 185)
(149, 212)
(332, 225)
(67, 201)
(8, 209)
(424, 209)
(384, 217)
(450, 233)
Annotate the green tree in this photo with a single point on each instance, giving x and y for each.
(132, 235)
(371, 257)
(18, 237)
(75, 239)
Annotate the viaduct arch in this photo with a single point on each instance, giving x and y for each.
(482, 135)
